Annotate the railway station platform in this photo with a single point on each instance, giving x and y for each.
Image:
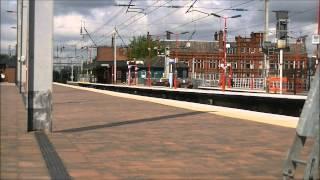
(104, 134)
(283, 104)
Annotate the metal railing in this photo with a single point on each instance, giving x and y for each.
(238, 83)
(249, 83)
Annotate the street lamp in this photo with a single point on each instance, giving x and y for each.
(224, 65)
(176, 58)
(224, 60)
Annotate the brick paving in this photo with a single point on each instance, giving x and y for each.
(105, 137)
(99, 136)
(20, 156)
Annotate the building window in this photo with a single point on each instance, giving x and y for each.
(291, 64)
(241, 65)
(248, 65)
(260, 65)
(211, 64)
(234, 65)
(230, 50)
(274, 65)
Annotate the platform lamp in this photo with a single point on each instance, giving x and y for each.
(223, 65)
(224, 60)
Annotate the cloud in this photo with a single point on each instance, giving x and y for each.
(102, 15)
(6, 17)
(67, 25)
(62, 7)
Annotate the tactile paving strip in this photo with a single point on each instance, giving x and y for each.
(54, 164)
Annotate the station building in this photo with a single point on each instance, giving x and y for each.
(102, 67)
(245, 59)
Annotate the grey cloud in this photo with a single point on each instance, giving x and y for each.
(62, 7)
(250, 21)
(8, 18)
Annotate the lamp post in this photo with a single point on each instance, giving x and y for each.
(224, 60)
(149, 60)
(176, 56)
(223, 65)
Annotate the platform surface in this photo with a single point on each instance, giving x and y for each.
(20, 157)
(105, 136)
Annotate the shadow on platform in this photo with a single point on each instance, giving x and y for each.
(130, 122)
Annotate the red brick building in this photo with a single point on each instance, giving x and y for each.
(105, 53)
(245, 55)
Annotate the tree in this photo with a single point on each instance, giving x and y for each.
(8, 60)
(139, 48)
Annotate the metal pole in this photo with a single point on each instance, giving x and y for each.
(114, 58)
(40, 66)
(175, 63)
(193, 61)
(149, 59)
(281, 70)
(318, 90)
(225, 54)
(21, 47)
(149, 75)
(294, 68)
(9, 50)
(266, 38)
(318, 31)
(129, 75)
(81, 69)
(24, 45)
(294, 78)
(170, 75)
(266, 20)
(19, 15)
(72, 77)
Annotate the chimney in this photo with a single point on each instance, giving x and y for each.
(216, 36)
(168, 35)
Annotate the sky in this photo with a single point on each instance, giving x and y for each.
(155, 16)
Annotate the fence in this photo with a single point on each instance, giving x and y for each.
(249, 83)
(237, 83)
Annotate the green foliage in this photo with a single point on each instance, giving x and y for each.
(139, 48)
(8, 60)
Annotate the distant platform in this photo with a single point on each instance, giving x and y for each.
(207, 90)
(283, 104)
